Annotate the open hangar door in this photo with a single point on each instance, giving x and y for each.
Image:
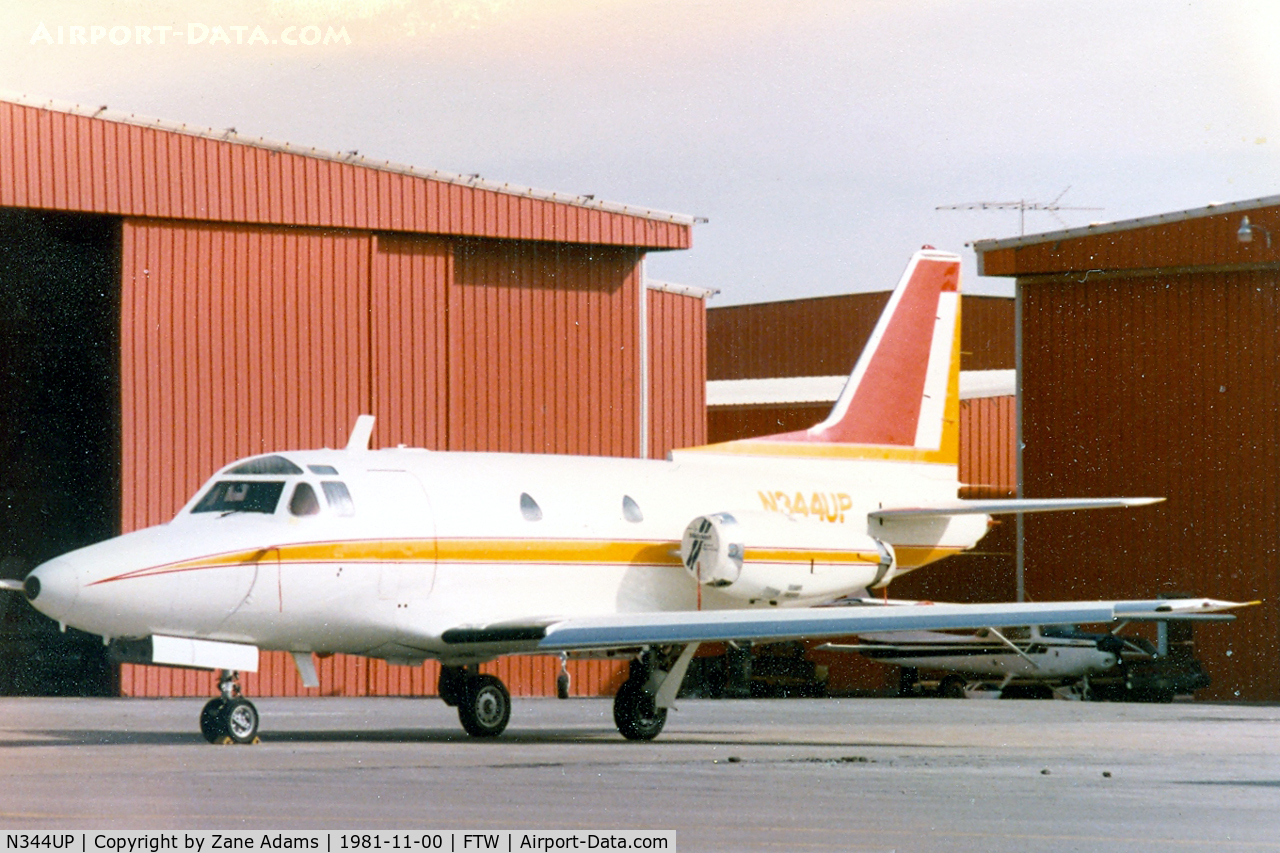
(59, 428)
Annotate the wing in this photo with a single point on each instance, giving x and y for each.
(998, 507)
(625, 630)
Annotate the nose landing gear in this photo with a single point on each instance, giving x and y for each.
(483, 702)
(230, 718)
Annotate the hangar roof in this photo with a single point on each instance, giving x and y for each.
(1199, 238)
(62, 156)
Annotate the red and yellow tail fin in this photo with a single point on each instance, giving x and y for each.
(902, 400)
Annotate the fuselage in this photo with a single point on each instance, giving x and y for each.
(381, 552)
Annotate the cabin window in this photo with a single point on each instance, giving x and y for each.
(304, 500)
(631, 509)
(240, 496)
(339, 498)
(529, 508)
(271, 465)
(324, 470)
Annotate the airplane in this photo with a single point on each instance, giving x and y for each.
(461, 557)
(1036, 661)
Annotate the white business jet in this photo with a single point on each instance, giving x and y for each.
(410, 555)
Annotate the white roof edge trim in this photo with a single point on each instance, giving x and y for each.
(977, 384)
(981, 246)
(230, 135)
(974, 384)
(681, 289)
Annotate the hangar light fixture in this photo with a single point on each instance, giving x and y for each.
(1245, 232)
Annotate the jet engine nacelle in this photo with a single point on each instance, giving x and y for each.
(776, 558)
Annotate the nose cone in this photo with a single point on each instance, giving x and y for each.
(52, 588)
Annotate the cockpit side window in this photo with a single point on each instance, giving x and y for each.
(241, 496)
(304, 500)
(338, 497)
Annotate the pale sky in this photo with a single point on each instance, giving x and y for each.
(818, 137)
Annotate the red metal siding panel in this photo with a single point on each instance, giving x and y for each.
(8, 185)
(1164, 386)
(512, 306)
(734, 422)
(1194, 242)
(677, 373)
(824, 336)
(409, 336)
(51, 161)
(988, 439)
(176, 364)
(987, 333)
(803, 337)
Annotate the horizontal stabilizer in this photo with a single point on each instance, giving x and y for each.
(666, 628)
(1001, 507)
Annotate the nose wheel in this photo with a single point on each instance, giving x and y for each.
(484, 704)
(230, 718)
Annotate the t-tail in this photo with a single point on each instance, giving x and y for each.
(902, 401)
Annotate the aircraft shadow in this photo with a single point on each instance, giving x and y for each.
(102, 737)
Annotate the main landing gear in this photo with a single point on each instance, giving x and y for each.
(639, 708)
(653, 679)
(483, 703)
(230, 718)
(635, 711)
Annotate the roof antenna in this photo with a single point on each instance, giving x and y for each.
(361, 433)
(1022, 206)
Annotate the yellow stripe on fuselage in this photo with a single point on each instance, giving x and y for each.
(518, 552)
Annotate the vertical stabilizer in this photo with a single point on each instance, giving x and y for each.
(902, 399)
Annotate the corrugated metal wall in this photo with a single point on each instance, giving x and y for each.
(1171, 244)
(988, 447)
(235, 340)
(410, 356)
(824, 336)
(800, 337)
(728, 423)
(987, 339)
(677, 372)
(346, 675)
(58, 161)
(1161, 386)
(544, 349)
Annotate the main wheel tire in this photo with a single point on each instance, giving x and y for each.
(634, 713)
(211, 722)
(485, 706)
(952, 687)
(239, 720)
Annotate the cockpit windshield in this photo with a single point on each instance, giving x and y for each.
(276, 465)
(241, 496)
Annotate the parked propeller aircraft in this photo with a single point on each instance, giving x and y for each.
(1034, 661)
(411, 555)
